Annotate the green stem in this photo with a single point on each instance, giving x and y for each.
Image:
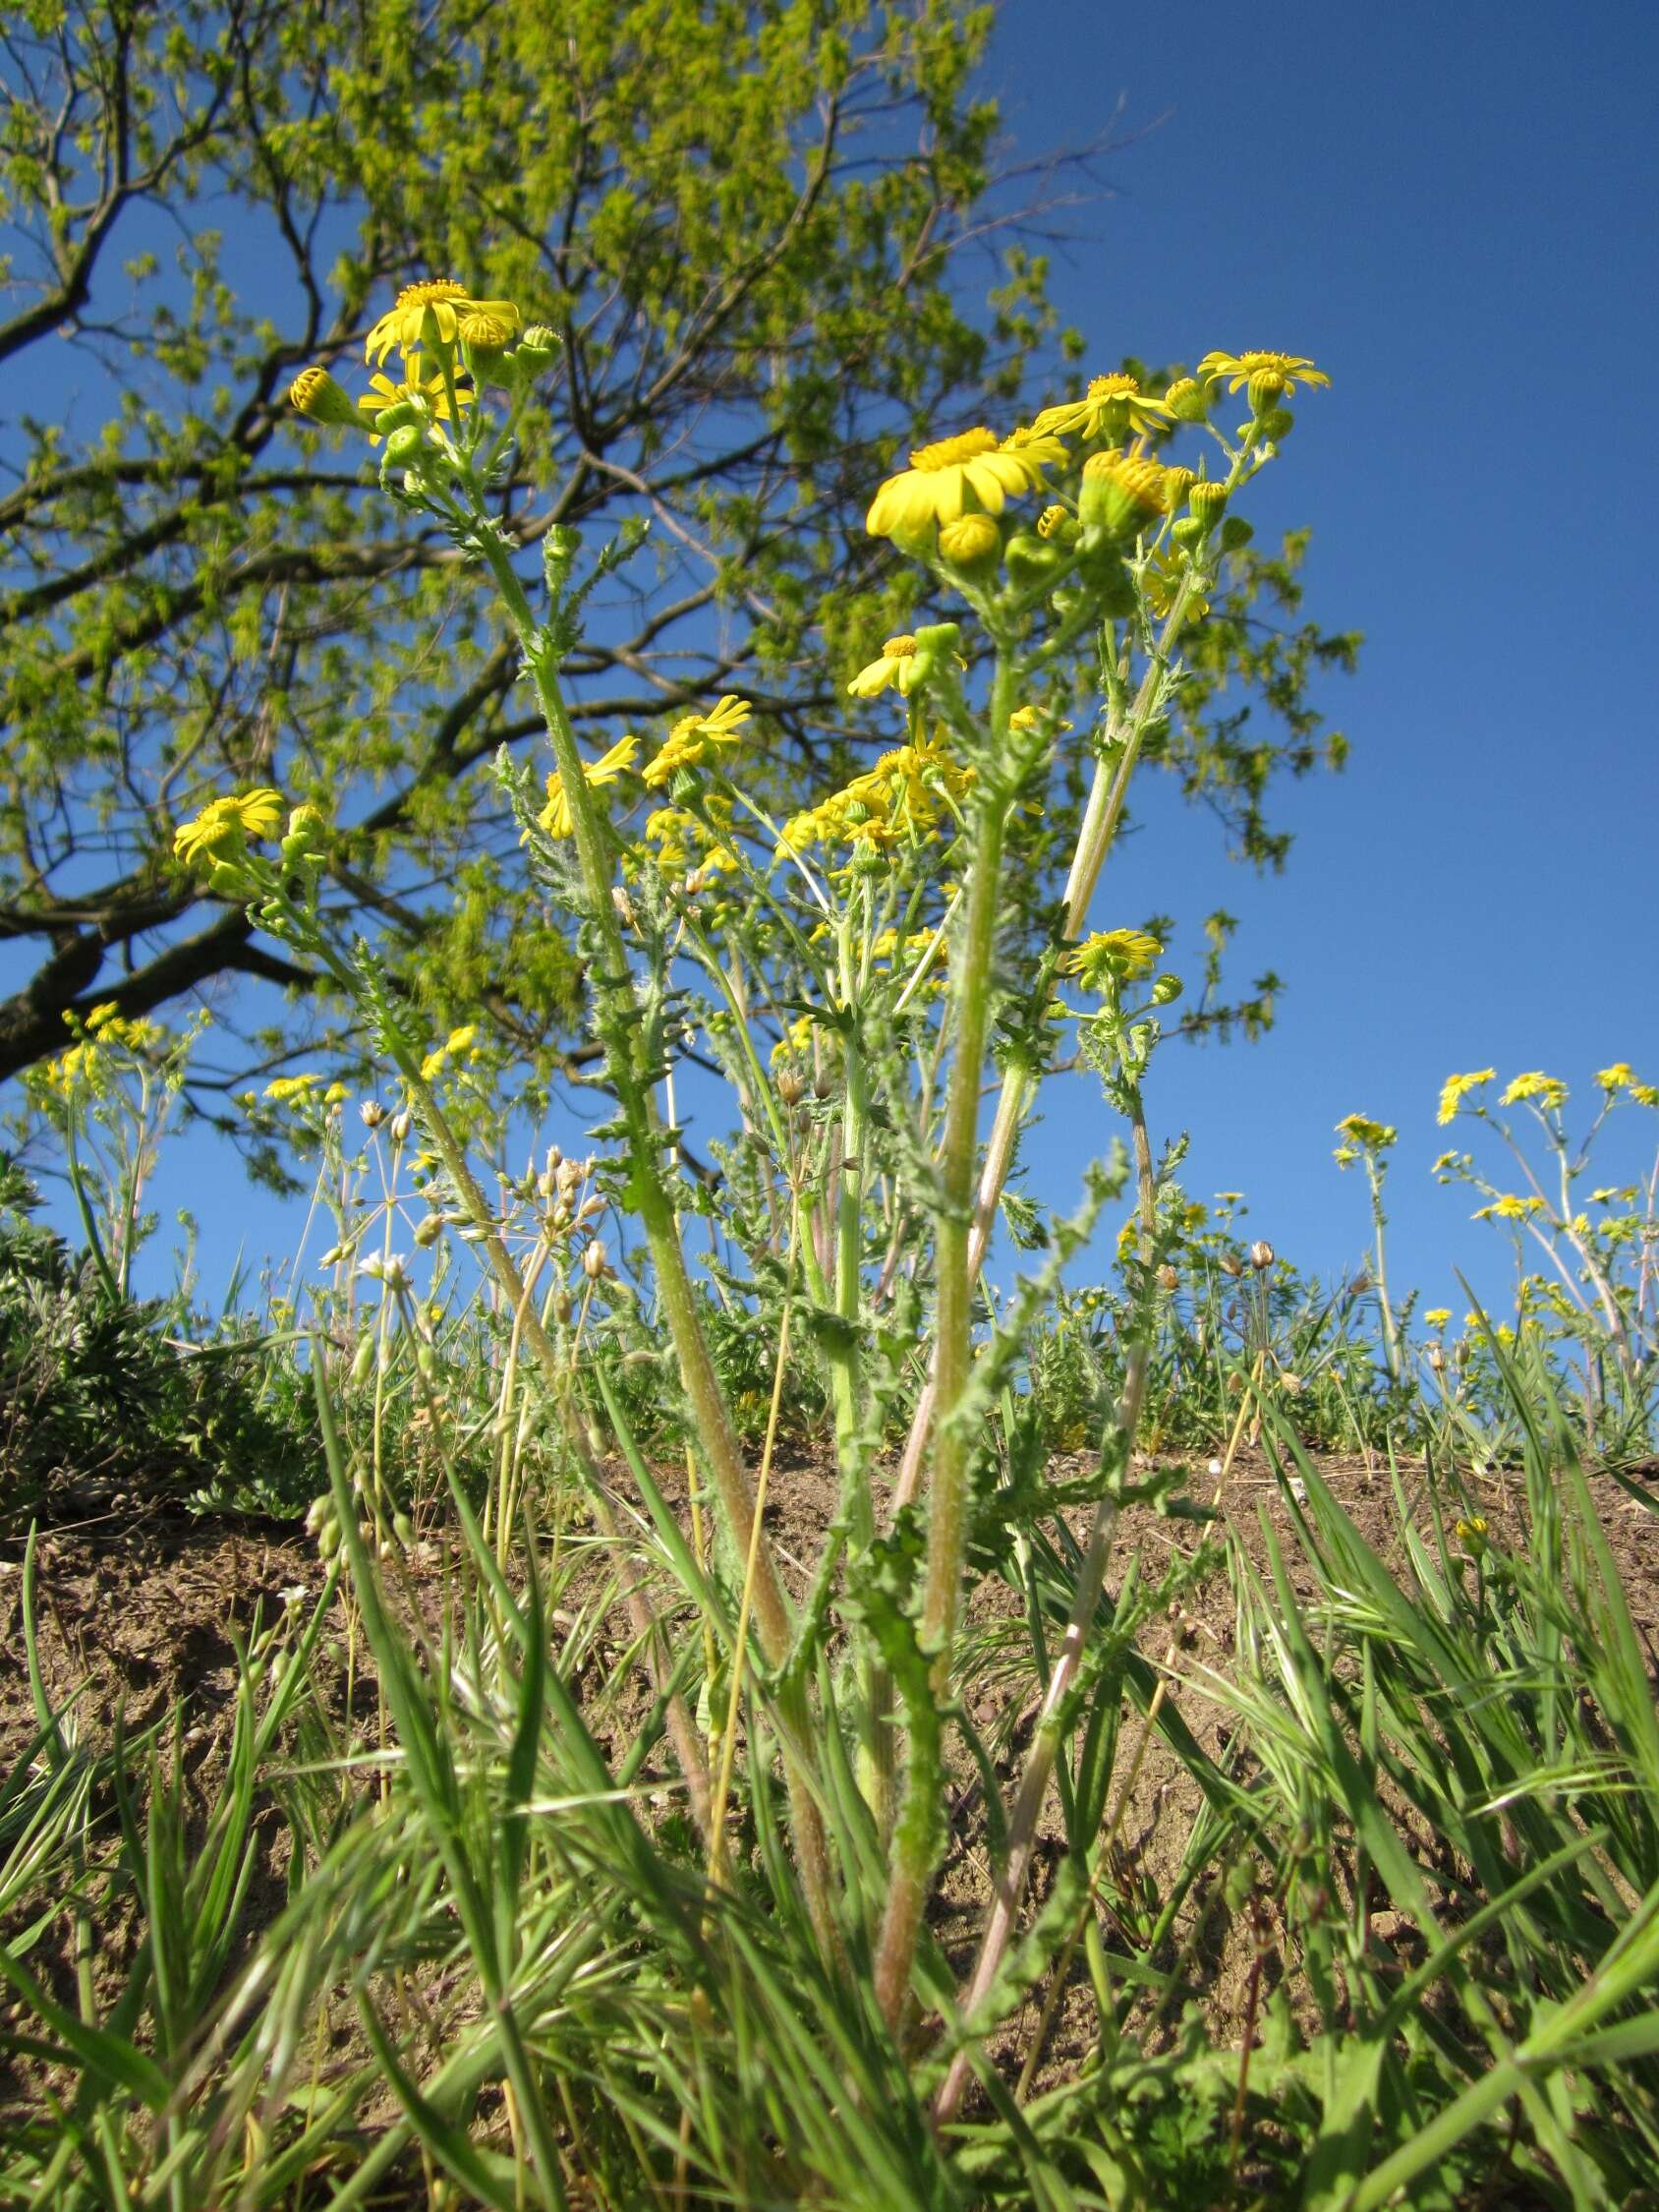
(914, 1838)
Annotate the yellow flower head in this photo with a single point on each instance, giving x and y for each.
(1113, 957)
(692, 737)
(1620, 1077)
(897, 665)
(1112, 406)
(1457, 1088)
(224, 826)
(945, 478)
(1243, 367)
(1549, 1091)
(1161, 580)
(1369, 1136)
(431, 315)
(416, 383)
(1437, 1316)
(1509, 1208)
(292, 1091)
(1122, 490)
(554, 817)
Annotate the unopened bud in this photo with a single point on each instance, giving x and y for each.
(623, 903)
(1262, 1255)
(594, 1260)
(972, 544)
(1229, 1264)
(401, 1124)
(372, 1112)
(1168, 1278)
(403, 448)
(1187, 400)
(1292, 1384)
(790, 1089)
(428, 1231)
(362, 1359)
(1437, 1359)
(1266, 388)
(319, 398)
(1207, 501)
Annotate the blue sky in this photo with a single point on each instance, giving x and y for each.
(1455, 210)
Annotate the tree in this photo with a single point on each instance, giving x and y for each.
(741, 218)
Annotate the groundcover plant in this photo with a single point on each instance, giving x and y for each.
(589, 1832)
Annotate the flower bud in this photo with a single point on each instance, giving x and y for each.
(401, 1124)
(1293, 1385)
(1177, 483)
(362, 1359)
(1207, 501)
(1262, 1255)
(1229, 1264)
(563, 1308)
(1168, 1278)
(1187, 400)
(404, 445)
(1166, 990)
(1266, 388)
(624, 905)
(428, 1231)
(1028, 558)
(594, 1260)
(1236, 534)
(317, 396)
(1121, 493)
(1057, 525)
(372, 1112)
(1437, 1359)
(972, 544)
(1277, 424)
(790, 1089)
(537, 346)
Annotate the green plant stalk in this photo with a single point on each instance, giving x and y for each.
(620, 1036)
(913, 1845)
(1095, 838)
(1391, 1332)
(1010, 1888)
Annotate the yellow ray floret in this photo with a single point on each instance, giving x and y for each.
(1111, 405)
(554, 817)
(432, 313)
(225, 824)
(1457, 1088)
(694, 736)
(945, 479)
(1239, 369)
(416, 383)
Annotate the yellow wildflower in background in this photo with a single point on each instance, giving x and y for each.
(430, 313)
(225, 824)
(1549, 1092)
(692, 737)
(1362, 1130)
(1115, 956)
(1509, 1208)
(554, 817)
(1111, 405)
(1437, 1317)
(1457, 1088)
(1240, 368)
(943, 479)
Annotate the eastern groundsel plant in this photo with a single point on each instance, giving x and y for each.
(885, 973)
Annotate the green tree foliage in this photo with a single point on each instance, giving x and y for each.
(745, 220)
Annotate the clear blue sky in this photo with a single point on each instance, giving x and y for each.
(1455, 210)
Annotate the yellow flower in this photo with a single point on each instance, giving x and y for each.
(1241, 367)
(1372, 1137)
(416, 383)
(430, 313)
(1122, 490)
(1110, 406)
(224, 824)
(689, 741)
(554, 817)
(1161, 580)
(1437, 1316)
(1613, 1195)
(292, 1091)
(1114, 956)
(1620, 1077)
(897, 665)
(1547, 1090)
(943, 479)
(1509, 1208)
(1457, 1088)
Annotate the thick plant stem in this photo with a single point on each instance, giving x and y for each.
(621, 1035)
(913, 1845)
(1010, 1885)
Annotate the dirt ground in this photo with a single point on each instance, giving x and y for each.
(139, 1605)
